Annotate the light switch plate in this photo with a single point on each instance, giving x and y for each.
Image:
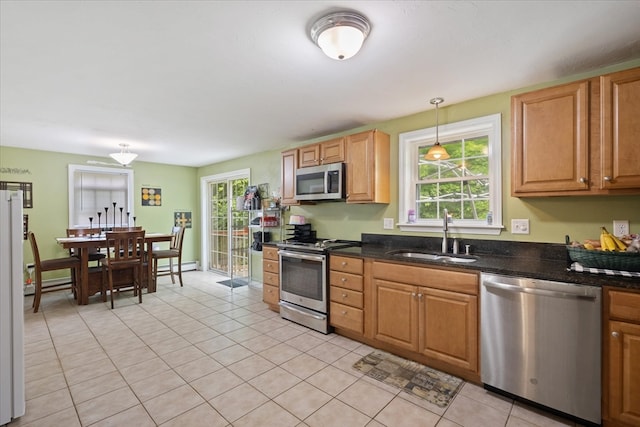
(388, 224)
(519, 226)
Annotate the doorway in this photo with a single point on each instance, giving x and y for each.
(226, 242)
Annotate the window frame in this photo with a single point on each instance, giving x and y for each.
(98, 170)
(409, 143)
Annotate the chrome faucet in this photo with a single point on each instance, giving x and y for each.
(445, 228)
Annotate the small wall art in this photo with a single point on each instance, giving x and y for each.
(151, 196)
(182, 218)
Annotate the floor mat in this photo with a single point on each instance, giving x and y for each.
(237, 282)
(421, 381)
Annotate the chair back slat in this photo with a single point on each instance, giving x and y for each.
(34, 248)
(125, 247)
(178, 237)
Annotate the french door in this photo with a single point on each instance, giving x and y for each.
(226, 242)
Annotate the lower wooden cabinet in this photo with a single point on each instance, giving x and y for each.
(621, 387)
(346, 293)
(271, 277)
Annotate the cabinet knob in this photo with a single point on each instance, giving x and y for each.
(615, 334)
(583, 180)
(344, 313)
(344, 279)
(344, 295)
(344, 263)
(269, 290)
(607, 178)
(419, 296)
(413, 294)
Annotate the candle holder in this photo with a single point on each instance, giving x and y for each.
(90, 226)
(99, 215)
(106, 218)
(134, 221)
(121, 208)
(128, 213)
(114, 215)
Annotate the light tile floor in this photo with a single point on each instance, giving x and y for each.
(206, 355)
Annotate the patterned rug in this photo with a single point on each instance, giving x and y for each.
(419, 380)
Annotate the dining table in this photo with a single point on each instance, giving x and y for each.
(85, 244)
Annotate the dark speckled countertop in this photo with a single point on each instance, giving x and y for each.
(546, 261)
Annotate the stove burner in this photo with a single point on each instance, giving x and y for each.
(318, 245)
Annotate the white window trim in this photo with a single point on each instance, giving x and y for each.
(408, 142)
(97, 169)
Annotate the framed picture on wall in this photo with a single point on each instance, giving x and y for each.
(151, 196)
(182, 218)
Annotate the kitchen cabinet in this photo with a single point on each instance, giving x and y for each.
(323, 153)
(430, 311)
(288, 166)
(621, 387)
(346, 293)
(579, 138)
(367, 160)
(271, 277)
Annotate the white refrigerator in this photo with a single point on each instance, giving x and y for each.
(12, 395)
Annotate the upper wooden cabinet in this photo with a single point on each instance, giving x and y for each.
(367, 159)
(580, 138)
(323, 153)
(288, 168)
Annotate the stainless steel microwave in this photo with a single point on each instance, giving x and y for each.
(324, 182)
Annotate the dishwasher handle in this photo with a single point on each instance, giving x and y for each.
(536, 291)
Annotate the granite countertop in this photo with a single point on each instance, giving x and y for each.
(546, 261)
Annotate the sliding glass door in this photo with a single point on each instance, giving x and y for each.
(228, 228)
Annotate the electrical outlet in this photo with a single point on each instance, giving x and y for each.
(519, 226)
(388, 224)
(620, 227)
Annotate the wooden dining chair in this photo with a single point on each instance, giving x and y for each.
(94, 253)
(72, 263)
(174, 251)
(126, 252)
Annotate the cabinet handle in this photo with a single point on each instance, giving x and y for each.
(344, 313)
(344, 263)
(583, 180)
(419, 296)
(615, 334)
(344, 295)
(607, 178)
(344, 279)
(413, 294)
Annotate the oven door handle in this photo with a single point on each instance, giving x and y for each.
(300, 255)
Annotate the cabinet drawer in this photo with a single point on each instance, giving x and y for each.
(347, 297)
(346, 264)
(343, 316)
(447, 280)
(269, 278)
(624, 305)
(271, 266)
(270, 294)
(269, 252)
(345, 280)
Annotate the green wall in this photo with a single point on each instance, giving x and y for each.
(48, 218)
(551, 218)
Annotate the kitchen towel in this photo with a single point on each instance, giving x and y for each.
(421, 381)
(582, 269)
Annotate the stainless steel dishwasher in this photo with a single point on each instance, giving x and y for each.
(541, 341)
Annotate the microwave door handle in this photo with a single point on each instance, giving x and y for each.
(326, 182)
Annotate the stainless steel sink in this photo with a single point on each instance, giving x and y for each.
(432, 257)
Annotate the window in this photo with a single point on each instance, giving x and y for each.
(91, 189)
(468, 185)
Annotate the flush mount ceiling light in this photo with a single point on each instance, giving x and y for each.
(340, 34)
(437, 152)
(124, 157)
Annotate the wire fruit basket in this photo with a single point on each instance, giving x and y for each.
(623, 261)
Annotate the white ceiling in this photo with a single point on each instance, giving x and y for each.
(198, 82)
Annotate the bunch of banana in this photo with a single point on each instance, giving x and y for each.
(609, 242)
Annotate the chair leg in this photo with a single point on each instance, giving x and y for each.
(155, 274)
(139, 285)
(180, 270)
(173, 280)
(111, 286)
(103, 285)
(37, 292)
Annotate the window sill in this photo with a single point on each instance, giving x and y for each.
(493, 230)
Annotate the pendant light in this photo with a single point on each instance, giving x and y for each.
(437, 152)
(124, 157)
(340, 34)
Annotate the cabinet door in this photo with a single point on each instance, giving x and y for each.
(620, 129)
(288, 177)
(624, 372)
(550, 140)
(332, 151)
(449, 327)
(271, 295)
(395, 314)
(367, 159)
(309, 155)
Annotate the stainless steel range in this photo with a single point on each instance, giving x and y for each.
(304, 289)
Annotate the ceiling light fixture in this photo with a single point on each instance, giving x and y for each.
(340, 34)
(437, 151)
(124, 157)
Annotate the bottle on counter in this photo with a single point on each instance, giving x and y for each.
(411, 216)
